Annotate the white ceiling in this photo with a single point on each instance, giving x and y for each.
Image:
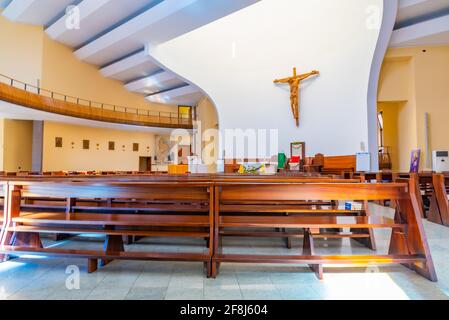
(421, 22)
(36, 12)
(96, 16)
(410, 11)
(113, 35)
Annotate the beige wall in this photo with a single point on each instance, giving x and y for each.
(390, 117)
(28, 54)
(2, 126)
(207, 115)
(63, 72)
(74, 158)
(17, 145)
(21, 51)
(394, 84)
(417, 79)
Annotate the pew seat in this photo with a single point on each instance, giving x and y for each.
(113, 219)
(276, 208)
(308, 222)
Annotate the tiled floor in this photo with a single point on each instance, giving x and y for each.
(45, 278)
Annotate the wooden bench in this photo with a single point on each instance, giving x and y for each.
(439, 203)
(423, 186)
(408, 244)
(171, 210)
(211, 207)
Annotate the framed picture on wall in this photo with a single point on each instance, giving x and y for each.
(297, 151)
(58, 142)
(415, 158)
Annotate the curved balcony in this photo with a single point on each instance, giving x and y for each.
(33, 97)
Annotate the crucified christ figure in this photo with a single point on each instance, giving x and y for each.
(295, 83)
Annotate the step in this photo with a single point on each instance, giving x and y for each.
(308, 222)
(122, 255)
(256, 234)
(345, 259)
(141, 233)
(114, 219)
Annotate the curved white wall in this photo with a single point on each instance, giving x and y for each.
(235, 60)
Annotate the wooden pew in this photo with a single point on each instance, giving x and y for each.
(172, 210)
(338, 165)
(408, 244)
(439, 204)
(379, 177)
(205, 206)
(423, 186)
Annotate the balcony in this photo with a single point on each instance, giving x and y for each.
(36, 98)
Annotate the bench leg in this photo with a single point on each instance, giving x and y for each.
(434, 212)
(61, 236)
(309, 249)
(208, 269)
(8, 241)
(215, 269)
(413, 240)
(289, 242)
(25, 239)
(22, 239)
(112, 244)
(128, 240)
(92, 265)
(369, 241)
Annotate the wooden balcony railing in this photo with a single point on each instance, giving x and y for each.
(30, 96)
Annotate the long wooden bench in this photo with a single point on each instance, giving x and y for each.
(211, 207)
(439, 203)
(408, 244)
(424, 188)
(181, 209)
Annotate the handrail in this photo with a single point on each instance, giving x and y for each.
(185, 119)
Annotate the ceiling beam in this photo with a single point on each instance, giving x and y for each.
(176, 95)
(87, 8)
(133, 61)
(36, 12)
(153, 83)
(405, 36)
(16, 9)
(135, 25)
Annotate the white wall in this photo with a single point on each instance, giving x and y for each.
(270, 38)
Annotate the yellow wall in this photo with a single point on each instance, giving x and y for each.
(21, 51)
(17, 145)
(390, 133)
(394, 84)
(432, 96)
(63, 72)
(417, 79)
(207, 115)
(28, 54)
(77, 159)
(2, 125)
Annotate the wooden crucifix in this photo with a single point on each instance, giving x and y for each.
(295, 83)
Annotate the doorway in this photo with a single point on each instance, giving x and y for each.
(145, 164)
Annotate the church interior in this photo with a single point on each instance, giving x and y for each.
(183, 150)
